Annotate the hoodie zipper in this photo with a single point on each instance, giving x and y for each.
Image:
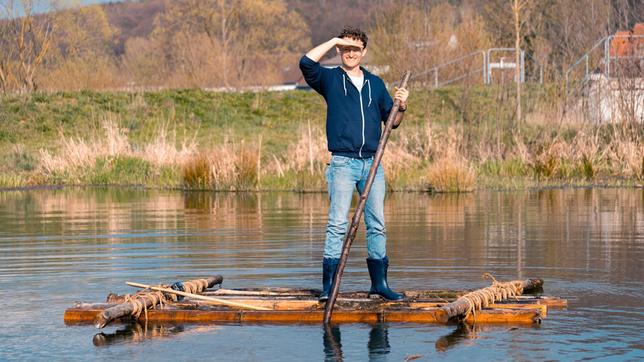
(364, 80)
(362, 115)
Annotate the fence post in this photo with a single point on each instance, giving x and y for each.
(522, 66)
(607, 55)
(484, 67)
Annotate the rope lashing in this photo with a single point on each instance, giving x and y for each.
(195, 286)
(482, 298)
(138, 300)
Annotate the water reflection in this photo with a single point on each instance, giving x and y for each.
(135, 333)
(504, 231)
(462, 333)
(377, 346)
(378, 341)
(332, 342)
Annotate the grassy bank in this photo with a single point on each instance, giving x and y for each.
(453, 139)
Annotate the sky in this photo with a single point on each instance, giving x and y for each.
(43, 5)
(87, 2)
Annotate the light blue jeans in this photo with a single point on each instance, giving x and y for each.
(344, 175)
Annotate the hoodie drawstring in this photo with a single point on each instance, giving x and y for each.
(344, 84)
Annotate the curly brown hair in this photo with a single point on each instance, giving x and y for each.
(354, 33)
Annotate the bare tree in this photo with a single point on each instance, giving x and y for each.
(82, 51)
(29, 38)
(7, 56)
(421, 37)
(516, 11)
(521, 12)
(229, 42)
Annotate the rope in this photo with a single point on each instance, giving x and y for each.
(195, 286)
(138, 301)
(482, 298)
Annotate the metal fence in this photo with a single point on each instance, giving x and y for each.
(606, 86)
(489, 66)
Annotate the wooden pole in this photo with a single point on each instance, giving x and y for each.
(355, 221)
(127, 308)
(197, 296)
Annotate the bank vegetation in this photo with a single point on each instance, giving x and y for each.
(452, 139)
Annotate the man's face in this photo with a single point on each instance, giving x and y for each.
(352, 54)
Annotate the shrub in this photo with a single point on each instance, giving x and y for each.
(196, 172)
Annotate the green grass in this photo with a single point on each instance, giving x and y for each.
(38, 120)
(481, 116)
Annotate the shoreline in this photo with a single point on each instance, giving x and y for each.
(529, 188)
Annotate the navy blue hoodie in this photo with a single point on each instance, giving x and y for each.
(353, 119)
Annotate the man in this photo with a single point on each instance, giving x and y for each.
(357, 105)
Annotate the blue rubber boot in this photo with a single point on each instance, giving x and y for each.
(378, 273)
(329, 267)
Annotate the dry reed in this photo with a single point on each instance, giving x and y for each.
(78, 156)
(443, 157)
(451, 174)
(196, 172)
(227, 166)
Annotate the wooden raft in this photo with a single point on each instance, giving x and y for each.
(301, 306)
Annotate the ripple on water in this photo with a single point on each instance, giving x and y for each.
(59, 246)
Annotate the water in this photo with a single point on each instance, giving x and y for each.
(60, 246)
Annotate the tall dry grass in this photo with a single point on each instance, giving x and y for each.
(444, 158)
(301, 167)
(451, 174)
(196, 172)
(450, 170)
(77, 156)
(308, 154)
(228, 166)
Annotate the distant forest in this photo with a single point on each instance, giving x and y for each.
(238, 43)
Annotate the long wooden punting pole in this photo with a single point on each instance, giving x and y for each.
(127, 308)
(460, 306)
(355, 221)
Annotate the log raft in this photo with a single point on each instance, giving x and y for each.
(301, 306)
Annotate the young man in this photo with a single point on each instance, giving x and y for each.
(357, 105)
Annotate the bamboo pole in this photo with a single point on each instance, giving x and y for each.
(197, 296)
(355, 221)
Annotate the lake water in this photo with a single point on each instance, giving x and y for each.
(62, 246)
